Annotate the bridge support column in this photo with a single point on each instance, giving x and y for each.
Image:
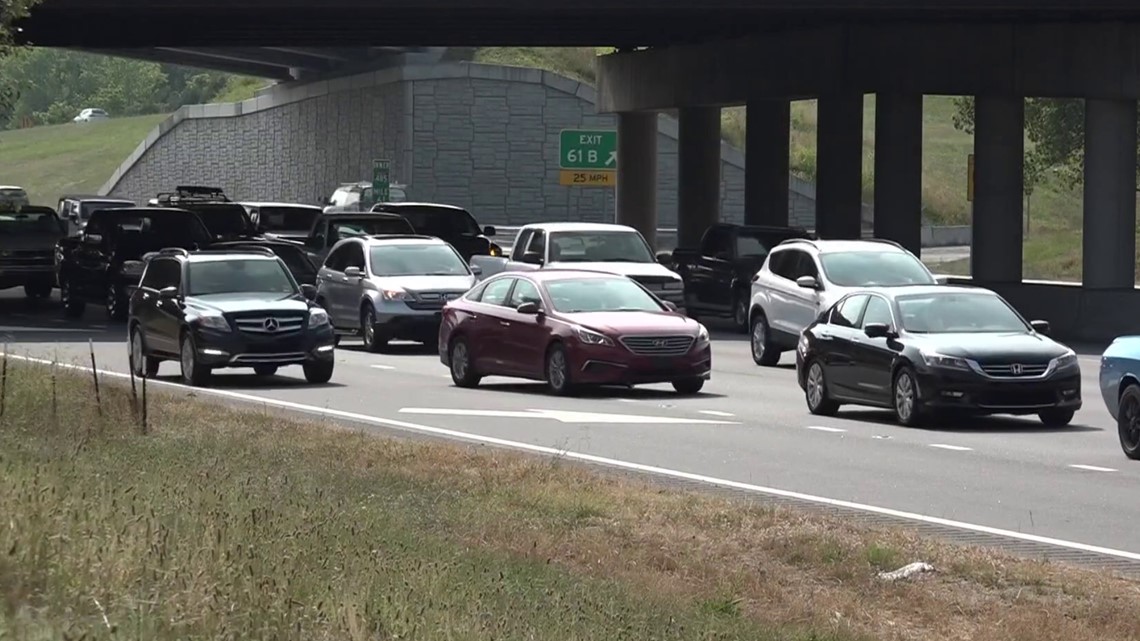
(637, 173)
(1110, 194)
(898, 169)
(698, 173)
(766, 146)
(839, 167)
(999, 164)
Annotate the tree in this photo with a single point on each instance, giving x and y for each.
(1056, 131)
(11, 12)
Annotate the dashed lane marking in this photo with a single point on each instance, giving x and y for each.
(716, 413)
(956, 448)
(822, 428)
(389, 367)
(562, 416)
(1093, 468)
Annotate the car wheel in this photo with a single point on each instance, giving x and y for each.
(740, 313)
(904, 394)
(1128, 421)
(689, 386)
(35, 292)
(319, 372)
(558, 371)
(142, 365)
(72, 307)
(1056, 417)
(373, 342)
(193, 373)
(116, 303)
(764, 351)
(463, 372)
(265, 370)
(815, 392)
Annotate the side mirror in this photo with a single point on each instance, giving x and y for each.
(877, 330)
(489, 230)
(529, 307)
(670, 305)
(665, 258)
(532, 258)
(353, 272)
(93, 239)
(808, 282)
(309, 291)
(1040, 326)
(476, 270)
(168, 293)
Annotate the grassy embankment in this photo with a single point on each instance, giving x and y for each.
(214, 522)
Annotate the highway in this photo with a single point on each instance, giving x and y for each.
(750, 425)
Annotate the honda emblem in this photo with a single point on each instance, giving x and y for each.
(1015, 369)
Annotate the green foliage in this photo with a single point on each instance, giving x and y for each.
(11, 11)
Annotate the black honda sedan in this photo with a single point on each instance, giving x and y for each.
(928, 351)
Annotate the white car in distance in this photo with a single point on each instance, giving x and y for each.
(91, 115)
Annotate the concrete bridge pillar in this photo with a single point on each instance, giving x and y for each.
(1110, 194)
(698, 173)
(637, 173)
(839, 167)
(767, 146)
(999, 164)
(898, 169)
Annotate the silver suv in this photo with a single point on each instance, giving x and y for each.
(802, 278)
(391, 287)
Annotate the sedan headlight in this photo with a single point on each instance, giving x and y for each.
(947, 362)
(702, 333)
(395, 294)
(215, 322)
(590, 337)
(318, 318)
(1065, 360)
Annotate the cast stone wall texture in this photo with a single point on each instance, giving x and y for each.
(483, 137)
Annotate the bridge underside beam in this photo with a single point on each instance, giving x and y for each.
(192, 59)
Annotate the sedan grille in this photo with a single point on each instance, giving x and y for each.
(270, 325)
(658, 345)
(1014, 370)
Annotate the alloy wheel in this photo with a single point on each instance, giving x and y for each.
(187, 358)
(556, 369)
(137, 357)
(759, 336)
(740, 314)
(904, 397)
(815, 385)
(459, 360)
(1130, 423)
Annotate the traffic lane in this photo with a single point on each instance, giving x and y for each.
(975, 487)
(23, 320)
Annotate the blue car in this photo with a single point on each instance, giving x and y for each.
(1120, 386)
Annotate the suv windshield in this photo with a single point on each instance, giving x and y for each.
(412, 260)
(958, 312)
(600, 295)
(287, 218)
(27, 223)
(598, 247)
(239, 275)
(223, 219)
(369, 226)
(163, 228)
(441, 222)
(869, 269)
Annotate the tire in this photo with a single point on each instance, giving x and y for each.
(1128, 421)
(558, 371)
(319, 372)
(265, 370)
(36, 292)
(372, 341)
(904, 388)
(463, 372)
(142, 365)
(72, 307)
(815, 391)
(740, 313)
(116, 303)
(1056, 417)
(193, 373)
(689, 386)
(764, 351)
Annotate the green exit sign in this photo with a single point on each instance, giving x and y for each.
(594, 149)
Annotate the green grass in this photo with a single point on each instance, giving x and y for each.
(218, 523)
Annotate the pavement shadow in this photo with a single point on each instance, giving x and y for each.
(392, 349)
(239, 381)
(597, 392)
(977, 424)
(23, 320)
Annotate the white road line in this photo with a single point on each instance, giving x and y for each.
(956, 448)
(564, 416)
(628, 400)
(616, 463)
(821, 428)
(716, 413)
(1094, 468)
(389, 367)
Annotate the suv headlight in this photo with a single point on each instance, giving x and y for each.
(216, 322)
(318, 318)
(933, 359)
(590, 337)
(395, 294)
(1065, 360)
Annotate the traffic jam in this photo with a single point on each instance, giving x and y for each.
(214, 284)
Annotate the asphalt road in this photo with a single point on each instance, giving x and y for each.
(750, 425)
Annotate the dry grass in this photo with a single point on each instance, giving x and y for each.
(237, 524)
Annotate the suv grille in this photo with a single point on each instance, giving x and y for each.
(1014, 370)
(267, 325)
(432, 300)
(658, 345)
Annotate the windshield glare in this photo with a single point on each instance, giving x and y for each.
(417, 260)
(17, 224)
(287, 218)
(958, 312)
(870, 269)
(239, 276)
(599, 247)
(600, 295)
(369, 227)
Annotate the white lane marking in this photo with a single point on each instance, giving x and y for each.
(562, 416)
(388, 367)
(956, 448)
(628, 400)
(616, 463)
(821, 428)
(716, 413)
(1094, 468)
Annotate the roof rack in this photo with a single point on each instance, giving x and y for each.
(172, 251)
(192, 194)
(793, 241)
(882, 240)
(249, 249)
(402, 237)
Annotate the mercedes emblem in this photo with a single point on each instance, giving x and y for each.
(271, 324)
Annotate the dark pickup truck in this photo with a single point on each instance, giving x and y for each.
(330, 228)
(718, 274)
(451, 224)
(28, 236)
(225, 219)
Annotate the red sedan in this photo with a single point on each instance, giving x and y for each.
(572, 328)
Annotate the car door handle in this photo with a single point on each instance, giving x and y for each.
(504, 323)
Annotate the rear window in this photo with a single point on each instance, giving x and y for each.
(287, 218)
(223, 219)
(442, 222)
(28, 223)
(87, 208)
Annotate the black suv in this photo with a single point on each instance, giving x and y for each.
(223, 308)
(225, 219)
(446, 222)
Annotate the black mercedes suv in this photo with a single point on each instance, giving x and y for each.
(225, 308)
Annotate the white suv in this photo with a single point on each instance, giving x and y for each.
(802, 278)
